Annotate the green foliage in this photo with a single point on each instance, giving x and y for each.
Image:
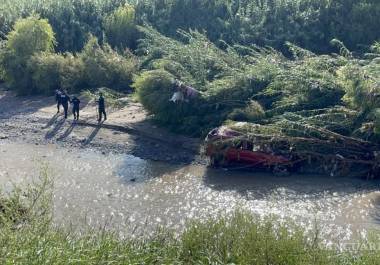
(72, 20)
(243, 239)
(196, 60)
(310, 24)
(342, 48)
(52, 71)
(120, 28)
(309, 83)
(376, 114)
(96, 66)
(154, 89)
(104, 67)
(361, 85)
(72, 73)
(30, 36)
(45, 69)
(325, 91)
(253, 112)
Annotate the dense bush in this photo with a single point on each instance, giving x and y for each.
(29, 64)
(96, 66)
(45, 69)
(51, 71)
(105, 67)
(31, 35)
(154, 89)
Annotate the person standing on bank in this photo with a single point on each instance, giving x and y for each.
(58, 94)
(101, 108)
(75, 101)
(65, 99)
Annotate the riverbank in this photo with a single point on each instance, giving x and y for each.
(128, 129)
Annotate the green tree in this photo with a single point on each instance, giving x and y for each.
(120, 27)
(29, 36)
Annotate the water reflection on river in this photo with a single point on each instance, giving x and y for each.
(127, 192)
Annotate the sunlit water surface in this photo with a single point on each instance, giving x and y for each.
(135, 196)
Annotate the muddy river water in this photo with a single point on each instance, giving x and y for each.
(126, 192)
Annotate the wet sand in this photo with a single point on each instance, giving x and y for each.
(128, 130)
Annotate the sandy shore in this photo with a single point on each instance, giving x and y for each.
(128, 130)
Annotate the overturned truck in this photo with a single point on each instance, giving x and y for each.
(315, 150)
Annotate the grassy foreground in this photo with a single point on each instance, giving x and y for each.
(27, 236)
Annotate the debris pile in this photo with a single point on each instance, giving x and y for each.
(307, 148)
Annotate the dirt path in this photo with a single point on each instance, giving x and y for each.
(127, 130)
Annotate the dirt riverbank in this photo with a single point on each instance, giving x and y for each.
(128, 130)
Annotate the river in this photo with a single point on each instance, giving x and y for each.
(127, 193)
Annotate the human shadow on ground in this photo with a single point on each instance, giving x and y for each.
(58, 125)
(12, 105)
(93, 134)
(51, 121)
(67, 132)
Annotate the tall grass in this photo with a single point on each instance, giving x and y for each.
(28, 236)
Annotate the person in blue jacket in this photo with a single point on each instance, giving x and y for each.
(58, 94)
(65, 99)
(75, 102)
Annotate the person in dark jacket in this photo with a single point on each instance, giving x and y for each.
(58, 94)
(101, 108)
(75, 102)
(65, 99)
